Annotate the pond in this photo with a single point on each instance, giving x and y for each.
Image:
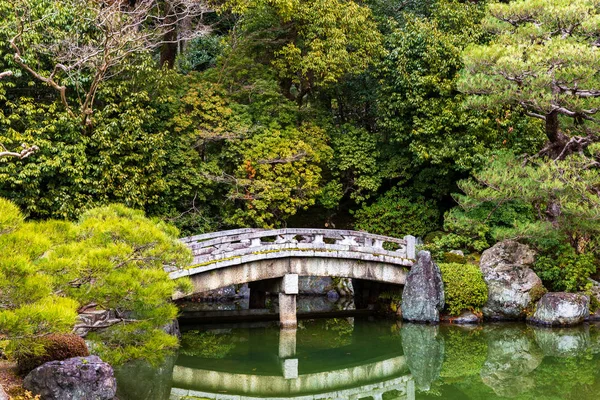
(356, 358)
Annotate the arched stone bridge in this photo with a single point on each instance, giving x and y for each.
(279, 256)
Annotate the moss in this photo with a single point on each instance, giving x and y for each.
(537, 292)
(55, 347)
(464, 287)
(594, 303)
(204, 264)
(452, 258)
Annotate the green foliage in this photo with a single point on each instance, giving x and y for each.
(398, 213)
(113, 257)
(138, 154)
(309, 43)
(464, 287)
(543, 58)
(10, 216)
(200, 54)
(561, 195)
(565, 271)
(478, 228)
(453, 258)
(279, 175)
(355, 162)
(435, 142)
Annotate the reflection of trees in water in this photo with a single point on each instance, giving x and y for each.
(522, 362)
(206, 344)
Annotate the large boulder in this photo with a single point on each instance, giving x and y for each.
(561, 309)
(513, 287)
(78, 378)
(423, 294)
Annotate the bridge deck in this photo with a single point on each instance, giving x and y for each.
(240, 246)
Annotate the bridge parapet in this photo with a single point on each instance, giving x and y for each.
(227, 245)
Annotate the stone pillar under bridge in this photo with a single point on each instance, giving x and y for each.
(287, 301)
(287, 289)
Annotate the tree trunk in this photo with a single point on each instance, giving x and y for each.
(168, 51)
(557, 139)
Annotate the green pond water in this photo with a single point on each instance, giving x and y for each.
(352, 358)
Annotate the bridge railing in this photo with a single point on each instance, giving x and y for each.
(218, 245)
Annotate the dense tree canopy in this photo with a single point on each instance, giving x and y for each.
(432, 118)
(544, 59)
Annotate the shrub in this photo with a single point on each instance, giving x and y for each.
(564, 270)
(55, 347)
(464, 287)
(454, 258)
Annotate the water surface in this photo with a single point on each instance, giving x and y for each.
(373, 359)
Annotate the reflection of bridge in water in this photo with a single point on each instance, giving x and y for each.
(385, 372)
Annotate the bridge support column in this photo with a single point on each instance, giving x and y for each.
(287, 301)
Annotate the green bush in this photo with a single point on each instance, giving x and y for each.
(464, 287)
(55, 347)
(454, 258)
(398, 213)
(565, 271)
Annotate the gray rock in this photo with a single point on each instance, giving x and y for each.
(78, 378)
(423, 294)
(563, 309)
(457, 252)
(225, 293)
(512, 285)
(322, 285)
(512, 357)
(423, 348)
(172, 328)
(465, 318)
(3, 395)
(565, 342)
(317, 285)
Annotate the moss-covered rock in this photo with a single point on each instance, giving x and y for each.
(55, 347)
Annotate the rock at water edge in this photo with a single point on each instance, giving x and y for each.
(78, 378)
(512, 285)
(423, 294)
(561, 309)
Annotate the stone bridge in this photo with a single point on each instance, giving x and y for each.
(276, 258)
